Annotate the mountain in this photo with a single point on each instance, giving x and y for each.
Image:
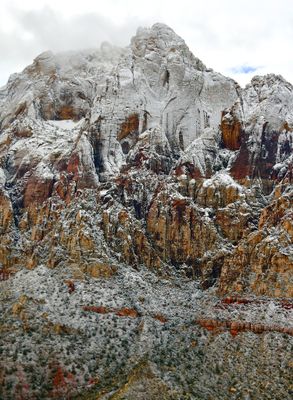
(146, 227)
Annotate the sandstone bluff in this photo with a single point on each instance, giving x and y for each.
(146, 227)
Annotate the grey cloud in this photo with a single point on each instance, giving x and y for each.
(222, 34)
(49, 30)
(54, 31)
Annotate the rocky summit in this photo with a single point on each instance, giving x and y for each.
(146, 228)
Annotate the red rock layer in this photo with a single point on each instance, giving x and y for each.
(236, 327)
(231, 133)
(130, 125)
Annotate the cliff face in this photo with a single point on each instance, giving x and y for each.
(180, 161)
(143, 159)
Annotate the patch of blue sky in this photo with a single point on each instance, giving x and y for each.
(244, 69)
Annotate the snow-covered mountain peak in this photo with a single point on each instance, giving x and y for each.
(161, 44)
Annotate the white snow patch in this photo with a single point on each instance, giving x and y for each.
(44, 171)
(66, 124)
(2, 178)
(222, 178)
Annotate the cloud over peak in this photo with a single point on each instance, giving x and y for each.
(233, 40)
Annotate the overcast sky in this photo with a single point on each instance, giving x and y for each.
(239, 38)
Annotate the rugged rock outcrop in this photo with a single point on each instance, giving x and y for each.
(263, 261)
(148, 158)
(264, 118)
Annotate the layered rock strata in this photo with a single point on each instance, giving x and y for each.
(145, 154)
